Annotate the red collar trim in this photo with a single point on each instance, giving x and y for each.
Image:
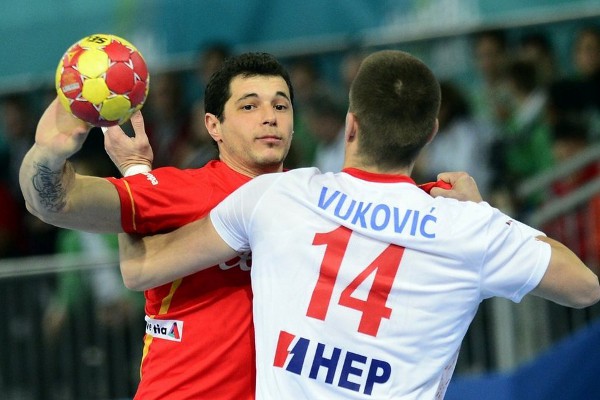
(374, 177)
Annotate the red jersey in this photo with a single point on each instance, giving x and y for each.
(199, 341)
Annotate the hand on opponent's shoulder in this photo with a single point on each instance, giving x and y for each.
(456, 185)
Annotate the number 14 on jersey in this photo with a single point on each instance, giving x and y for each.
(373, 308)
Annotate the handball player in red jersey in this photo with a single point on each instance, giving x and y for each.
(199, 341)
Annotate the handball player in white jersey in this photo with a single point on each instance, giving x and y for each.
(364, 284)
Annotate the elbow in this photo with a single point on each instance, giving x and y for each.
(49, 216)
(131, 284)
(588, 296)
(134, 283)
(131, 279)
(33, 210)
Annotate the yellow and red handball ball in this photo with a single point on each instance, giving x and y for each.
(102, 79)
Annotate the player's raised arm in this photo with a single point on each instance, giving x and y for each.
(150, 261)
(53, 191)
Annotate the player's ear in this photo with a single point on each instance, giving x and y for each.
(351, 127)
(213, 126)
(434, 131)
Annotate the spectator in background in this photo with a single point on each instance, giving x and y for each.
(167, 118)
(587, 63)
(580, 228)
(307, 82)
(586, 52)
(537, 49)
(461, 144)
(19, 129)
(31, 237)
(577, 97)
(525, 147)
(201, 148)
(90, 301)
(325, 117)
(210, 59)
(489, 94)
(12, 240)
(349, 68)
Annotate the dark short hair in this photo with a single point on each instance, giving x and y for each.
(396, 99)
(247, 64)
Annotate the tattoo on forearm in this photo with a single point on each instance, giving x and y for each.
(50, 188)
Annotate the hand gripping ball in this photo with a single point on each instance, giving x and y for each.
(102, 79)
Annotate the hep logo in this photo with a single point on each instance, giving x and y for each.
(302, 357)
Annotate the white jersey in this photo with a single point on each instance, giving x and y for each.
(364, 285)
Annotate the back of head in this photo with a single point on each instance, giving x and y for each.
(395, 98)
(246, 65)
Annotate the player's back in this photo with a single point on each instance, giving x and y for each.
(364, 285)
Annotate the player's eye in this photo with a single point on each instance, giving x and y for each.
(281, 107)
(248, 107)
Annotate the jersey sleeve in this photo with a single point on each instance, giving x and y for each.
(515, 261)
(232, 218)
(162, 200)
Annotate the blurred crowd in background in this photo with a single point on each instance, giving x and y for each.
(520, 114)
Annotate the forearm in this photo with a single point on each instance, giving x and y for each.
(567, 281)
(150, 261)
(57, 195)
(45, 181)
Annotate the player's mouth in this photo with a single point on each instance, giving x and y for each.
(270, 139)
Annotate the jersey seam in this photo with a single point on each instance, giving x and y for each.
(133, 224)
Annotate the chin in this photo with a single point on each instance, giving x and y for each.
(271, 162)
(272, 157)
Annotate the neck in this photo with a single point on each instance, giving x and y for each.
(254, 170)
(375, 169)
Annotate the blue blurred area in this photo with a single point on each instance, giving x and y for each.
(568, 371)
(35, 33)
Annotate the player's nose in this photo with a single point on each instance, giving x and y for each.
(269, 116)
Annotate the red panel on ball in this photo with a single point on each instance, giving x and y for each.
(85, 111)
(70, 83)
(120, 78)
(72, 56)
(137, 94)
(117, 52)
(139, 66)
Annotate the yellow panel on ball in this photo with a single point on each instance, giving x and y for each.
(64, 100)
(95, 90)
(115, 108)
(93, 63)
(57, 75)
(96, 41)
